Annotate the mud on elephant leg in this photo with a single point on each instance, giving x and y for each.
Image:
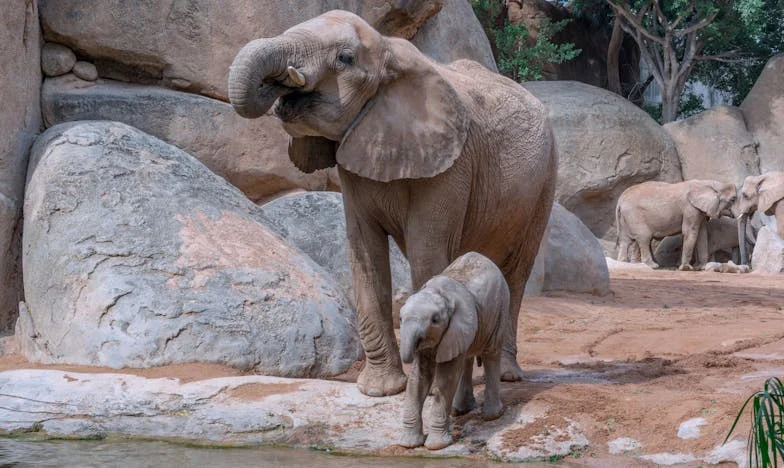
(368, 251)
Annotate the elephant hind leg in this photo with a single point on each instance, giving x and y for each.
(645, 251)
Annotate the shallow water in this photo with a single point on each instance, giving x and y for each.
(24, 453)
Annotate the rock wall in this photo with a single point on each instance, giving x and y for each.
(20, 122)
(764, 112)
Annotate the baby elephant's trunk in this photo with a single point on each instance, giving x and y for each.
(410, 336)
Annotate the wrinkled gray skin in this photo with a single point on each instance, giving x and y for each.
(759, 193)
(457, 315)
(654, 210)
(446, 159)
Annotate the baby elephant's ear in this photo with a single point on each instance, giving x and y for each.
(311, 153)
(463, 321)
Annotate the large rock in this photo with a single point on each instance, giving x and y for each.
(606, 144)
(57, 59)
(768, 256)
(764, 112)
(314, 223)
(190, 44)
(574, 259)
(715, 144)
(251, 154)
(135, 254)
(20, 121)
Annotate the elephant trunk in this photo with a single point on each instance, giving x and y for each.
(255, 75)
(410, 337)
(742, 238)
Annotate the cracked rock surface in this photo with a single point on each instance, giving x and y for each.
(136, 255)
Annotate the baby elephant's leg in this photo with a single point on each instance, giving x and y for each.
(446, 379)
(419, 380)
(492, 407)
(464, 398)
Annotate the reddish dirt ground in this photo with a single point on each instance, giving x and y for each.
(662, 348)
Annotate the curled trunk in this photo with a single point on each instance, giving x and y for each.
(255, 75)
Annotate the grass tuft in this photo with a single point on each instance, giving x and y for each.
(766, 435)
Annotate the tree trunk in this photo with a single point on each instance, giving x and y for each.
(669, 106)
(613, 57)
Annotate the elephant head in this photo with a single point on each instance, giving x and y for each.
(758, 193)
(348, 95)
(711, 197)
(442, 315)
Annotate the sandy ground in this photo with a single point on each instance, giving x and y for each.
(664, 347)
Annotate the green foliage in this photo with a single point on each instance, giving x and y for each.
(516, 57)
(766, 435)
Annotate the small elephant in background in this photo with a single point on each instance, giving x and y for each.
(759, 193)
(654, 210)
(459, 314)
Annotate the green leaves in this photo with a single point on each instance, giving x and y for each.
(516, 56)
(766, 436)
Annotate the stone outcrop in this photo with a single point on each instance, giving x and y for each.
(136, 255)
(606, 144)
(764, 112)
(190, 45)
(314, 223)
(574, 259)
(715, 144)
(768, 255)
(20, 121)
(251, 154)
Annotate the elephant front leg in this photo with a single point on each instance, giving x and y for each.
(701, 246)
(492, 408)
(419, 380)
(691, 232)
(368, 252)
(446, 379)
(464, 398)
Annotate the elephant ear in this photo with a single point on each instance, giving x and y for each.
(771, 190)
(415, 126)
(311, 153)
(463, 320)
(704, 198)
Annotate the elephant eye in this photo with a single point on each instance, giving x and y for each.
(345, 57)
(434, 319)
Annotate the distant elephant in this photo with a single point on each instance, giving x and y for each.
(457, 315)
(759, 193)
(654, 210)
(722, 242)
(446, 159)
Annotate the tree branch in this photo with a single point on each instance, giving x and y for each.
(733, 56)
(702, 24)
(635, 21)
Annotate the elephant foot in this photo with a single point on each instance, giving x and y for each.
(412, 439)
(377, 381)
(464, 406)
(652, 264)
(438, 440)
(686, 267)
(492, 410)
(510, 370)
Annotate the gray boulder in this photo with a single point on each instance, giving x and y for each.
(136, 255)
(85, 71)
(768, 255)
(314, 223)
(20, 121)
(251, 154)
(764, 114)
(606, 144)
(574, 260)
(57, 59)
(715, 144)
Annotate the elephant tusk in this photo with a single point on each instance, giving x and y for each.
(296, 76)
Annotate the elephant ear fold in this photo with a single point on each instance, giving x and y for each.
(771, 190)
(463, 321)
(704, 198)
(311, 153)
(415, 127)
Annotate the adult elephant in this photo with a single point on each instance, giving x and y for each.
(446, 159)
(759, 193)
(654, 210)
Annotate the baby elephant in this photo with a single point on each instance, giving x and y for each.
(459, 314)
